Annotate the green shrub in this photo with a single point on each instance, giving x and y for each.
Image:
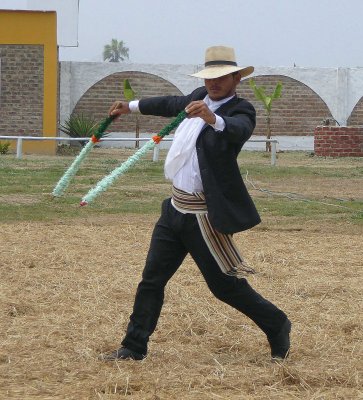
(77, 126)
(4, 147)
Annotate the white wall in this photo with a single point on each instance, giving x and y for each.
(339, 88)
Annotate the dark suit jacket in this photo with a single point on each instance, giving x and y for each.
(230, 208)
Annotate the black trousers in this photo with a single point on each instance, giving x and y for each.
(174, 236)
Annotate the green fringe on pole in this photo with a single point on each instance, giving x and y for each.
(103, 126)
(108, 180)
(64, 182)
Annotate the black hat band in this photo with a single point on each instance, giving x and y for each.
(220, 62)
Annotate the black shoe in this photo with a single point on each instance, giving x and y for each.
(280, 343)
(122, 354)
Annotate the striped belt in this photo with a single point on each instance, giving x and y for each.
(221, 246)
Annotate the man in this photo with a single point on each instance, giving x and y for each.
(209, 203)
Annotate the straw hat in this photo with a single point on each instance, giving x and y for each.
(220, 61)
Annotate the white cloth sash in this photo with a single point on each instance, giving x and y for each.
(185, 138)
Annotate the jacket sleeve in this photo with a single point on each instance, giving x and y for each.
(169, 106)
(240, 123)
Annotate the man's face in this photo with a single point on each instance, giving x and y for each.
(222, 87)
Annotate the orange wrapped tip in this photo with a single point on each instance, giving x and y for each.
(157, 139)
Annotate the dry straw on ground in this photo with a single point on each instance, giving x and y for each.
(65, 300)
(67, 289)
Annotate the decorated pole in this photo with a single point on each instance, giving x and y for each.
(108, 180)
(64, 182)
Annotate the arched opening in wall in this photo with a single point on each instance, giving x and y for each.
(296, 113)
(99, 98)
(356, 117)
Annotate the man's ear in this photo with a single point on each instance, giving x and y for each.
(238, 76)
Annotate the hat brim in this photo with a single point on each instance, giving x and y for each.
(216, 71)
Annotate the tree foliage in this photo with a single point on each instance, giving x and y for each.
(116, 51)
(129, 92)
(130, 95)
(267, 101)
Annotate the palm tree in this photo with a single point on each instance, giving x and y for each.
(116, 51)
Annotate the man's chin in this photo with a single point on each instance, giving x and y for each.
(216, 96)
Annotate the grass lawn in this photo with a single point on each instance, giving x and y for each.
(299, 186)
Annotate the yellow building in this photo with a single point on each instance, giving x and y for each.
(29, 77)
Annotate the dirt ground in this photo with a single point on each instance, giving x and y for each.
(67, 289)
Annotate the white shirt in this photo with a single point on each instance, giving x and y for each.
(181, 165)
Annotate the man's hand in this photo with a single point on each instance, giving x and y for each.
(118, 108)
(200, 109)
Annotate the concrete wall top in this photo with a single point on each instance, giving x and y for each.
(80, 76)
(339, 88)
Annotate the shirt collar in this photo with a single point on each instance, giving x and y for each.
(215, 103)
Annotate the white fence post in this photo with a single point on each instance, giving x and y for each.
(273, 153)
(19, 148)
(156, 152)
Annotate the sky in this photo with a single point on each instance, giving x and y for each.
(265, 33)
